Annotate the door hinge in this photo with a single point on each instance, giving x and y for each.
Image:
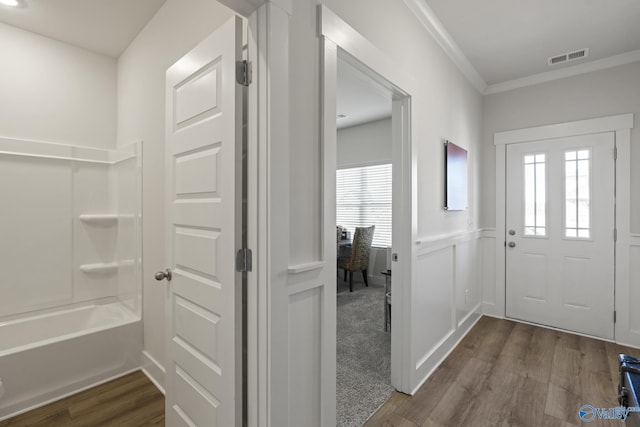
(243, 260)
(615, 234)
(615, 153)
(614, 316)
(243, 73)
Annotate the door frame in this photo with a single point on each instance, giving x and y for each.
(266, 137)
(621, 125)
(341, 40)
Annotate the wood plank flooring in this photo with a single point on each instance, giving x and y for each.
(505, 373)
(129, 401)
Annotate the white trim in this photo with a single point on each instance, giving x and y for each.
(430, 21)
(624, 288)
(576, 70)
(489, 232)
(340, 39)
(434, 243)
(450, 342)
(333, 28)
(561, 130)
(309, 266)
(153, 370)
(247, 7)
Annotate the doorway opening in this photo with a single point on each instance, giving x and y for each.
(364, 202)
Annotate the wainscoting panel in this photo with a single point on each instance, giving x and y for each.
(433, 308)
(446, 298)
(634, 285)
(467, 279)
(305, 332)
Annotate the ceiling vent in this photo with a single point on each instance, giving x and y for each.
(570, 56)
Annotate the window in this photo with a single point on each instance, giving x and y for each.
(535, 195)
(364, 198)
(577, 194)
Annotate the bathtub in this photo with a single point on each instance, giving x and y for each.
(49, 356)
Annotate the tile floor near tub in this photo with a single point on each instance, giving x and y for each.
(129, 401)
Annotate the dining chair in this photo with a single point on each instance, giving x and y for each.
(359, 259)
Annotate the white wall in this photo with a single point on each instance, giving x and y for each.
(55, 92)
(602, 93)
(444, 106)
(176, 28)
(365, 144)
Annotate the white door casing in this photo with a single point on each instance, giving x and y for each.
(203, 233)
(554, 278)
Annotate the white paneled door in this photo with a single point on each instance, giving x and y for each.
(203, 209)
(560, 233)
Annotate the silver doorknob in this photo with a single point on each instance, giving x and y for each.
(161, 275)
(512, 244)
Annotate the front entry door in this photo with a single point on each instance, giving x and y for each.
(203, 215)
(560, 233)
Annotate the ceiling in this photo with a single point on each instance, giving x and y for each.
(359, 98)
(503, 40)
(506, 40)
(103, 26)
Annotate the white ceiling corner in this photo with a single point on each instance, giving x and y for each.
(106, 27)
(428, 18)
(561, 73)
(499, 45)
(359, 97)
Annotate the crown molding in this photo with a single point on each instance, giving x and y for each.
(547, 76)
(430, 21)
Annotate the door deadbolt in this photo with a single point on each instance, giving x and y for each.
(512, 232)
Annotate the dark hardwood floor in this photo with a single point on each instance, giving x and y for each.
(505, 373)
(129, 401)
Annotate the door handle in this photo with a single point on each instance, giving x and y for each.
(161, 275)
(512, 244)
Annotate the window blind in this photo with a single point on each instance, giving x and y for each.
(364, 198)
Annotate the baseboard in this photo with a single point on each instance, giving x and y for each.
(491, 310)
(442, 351)
(153, 370)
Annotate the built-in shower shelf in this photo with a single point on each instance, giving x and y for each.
(106, 267)
(99, 219)
(100, 268)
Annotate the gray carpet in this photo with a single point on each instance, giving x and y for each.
(363, 353)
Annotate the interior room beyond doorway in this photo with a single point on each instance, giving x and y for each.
(364, 196)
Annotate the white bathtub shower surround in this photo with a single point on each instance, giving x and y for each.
(71, 225)
(35, 331)
(70, 250)
(45, 357)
